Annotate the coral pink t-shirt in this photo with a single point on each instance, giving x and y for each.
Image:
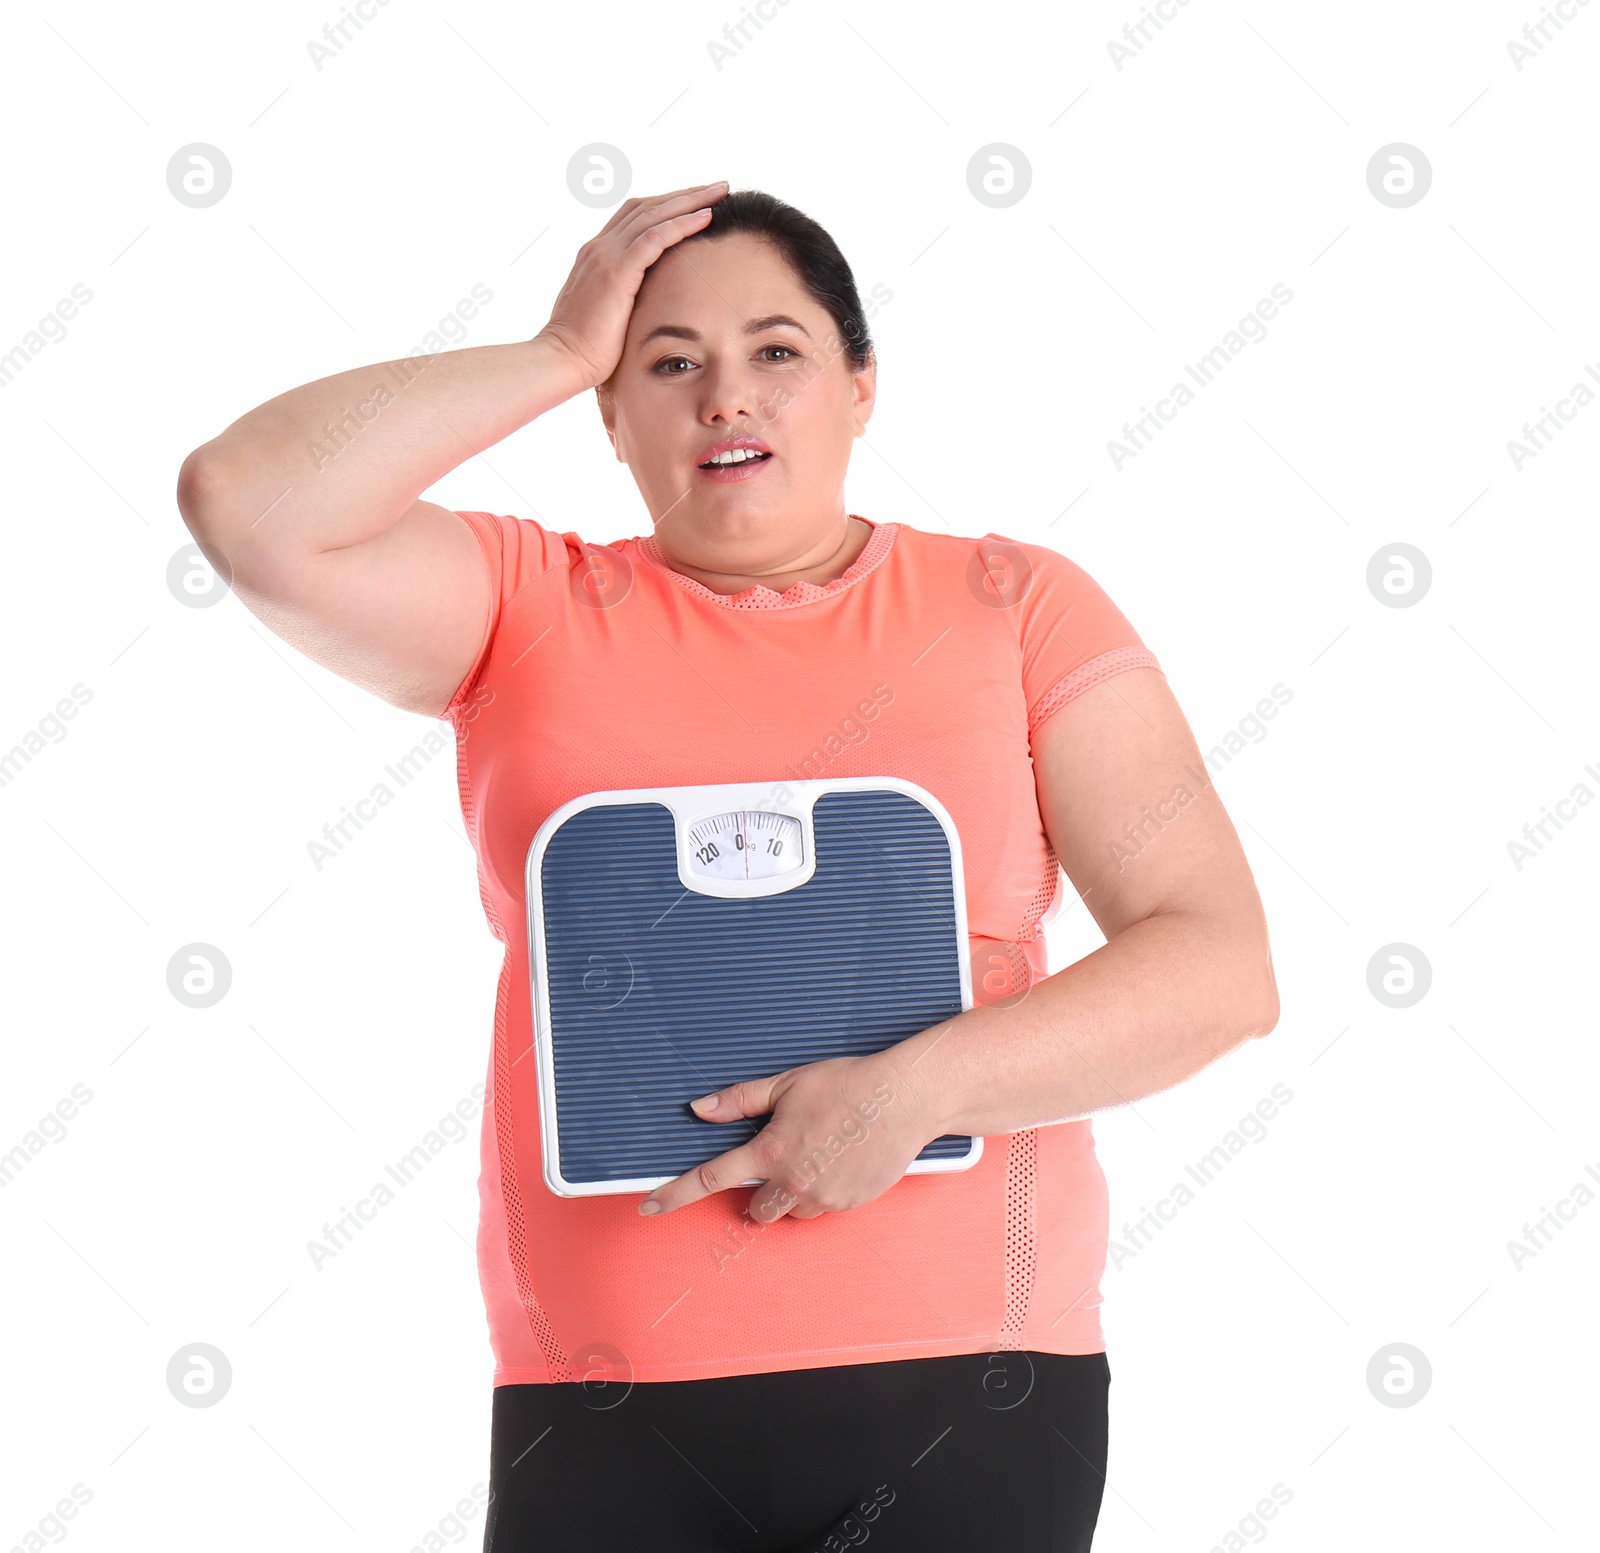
(934, 658)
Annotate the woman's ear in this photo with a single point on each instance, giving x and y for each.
(864, 390)
(608, 417)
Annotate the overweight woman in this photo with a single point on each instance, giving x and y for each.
(832, 1355)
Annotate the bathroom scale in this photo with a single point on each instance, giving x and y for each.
(684, 938)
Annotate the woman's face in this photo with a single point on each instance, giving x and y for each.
(724, 342)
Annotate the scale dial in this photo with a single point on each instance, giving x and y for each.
(746, 844)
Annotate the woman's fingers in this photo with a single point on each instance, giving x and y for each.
(653, 241)
(656, 227)
(837, 1138)
(746, 1163)
(690, 197)
(751, 1161)
(749, 1097)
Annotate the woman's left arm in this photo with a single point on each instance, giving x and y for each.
(1186, 972)
(1185, 975)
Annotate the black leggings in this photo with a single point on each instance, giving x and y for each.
(976, 1452)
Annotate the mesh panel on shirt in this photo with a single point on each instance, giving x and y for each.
(469, 814)
(1020, 1249)
(516, 1234)
(1041, 897)
(1087, 675)
(759, 597)
(511, 1193)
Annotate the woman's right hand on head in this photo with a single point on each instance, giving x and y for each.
(590, 318)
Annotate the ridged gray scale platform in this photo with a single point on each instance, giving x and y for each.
(658, 994)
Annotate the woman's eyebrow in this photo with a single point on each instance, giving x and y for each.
(755, 326)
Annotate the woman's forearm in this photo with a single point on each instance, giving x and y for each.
(337, 461)
(1157, 1003)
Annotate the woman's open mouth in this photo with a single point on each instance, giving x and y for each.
(738, 459)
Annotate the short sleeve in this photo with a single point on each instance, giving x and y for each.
(1072, 635)
(518, 551)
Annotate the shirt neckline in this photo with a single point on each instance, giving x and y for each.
(759, 596)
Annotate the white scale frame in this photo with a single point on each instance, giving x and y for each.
(693, 805)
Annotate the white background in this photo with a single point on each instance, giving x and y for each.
(1167, 198)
